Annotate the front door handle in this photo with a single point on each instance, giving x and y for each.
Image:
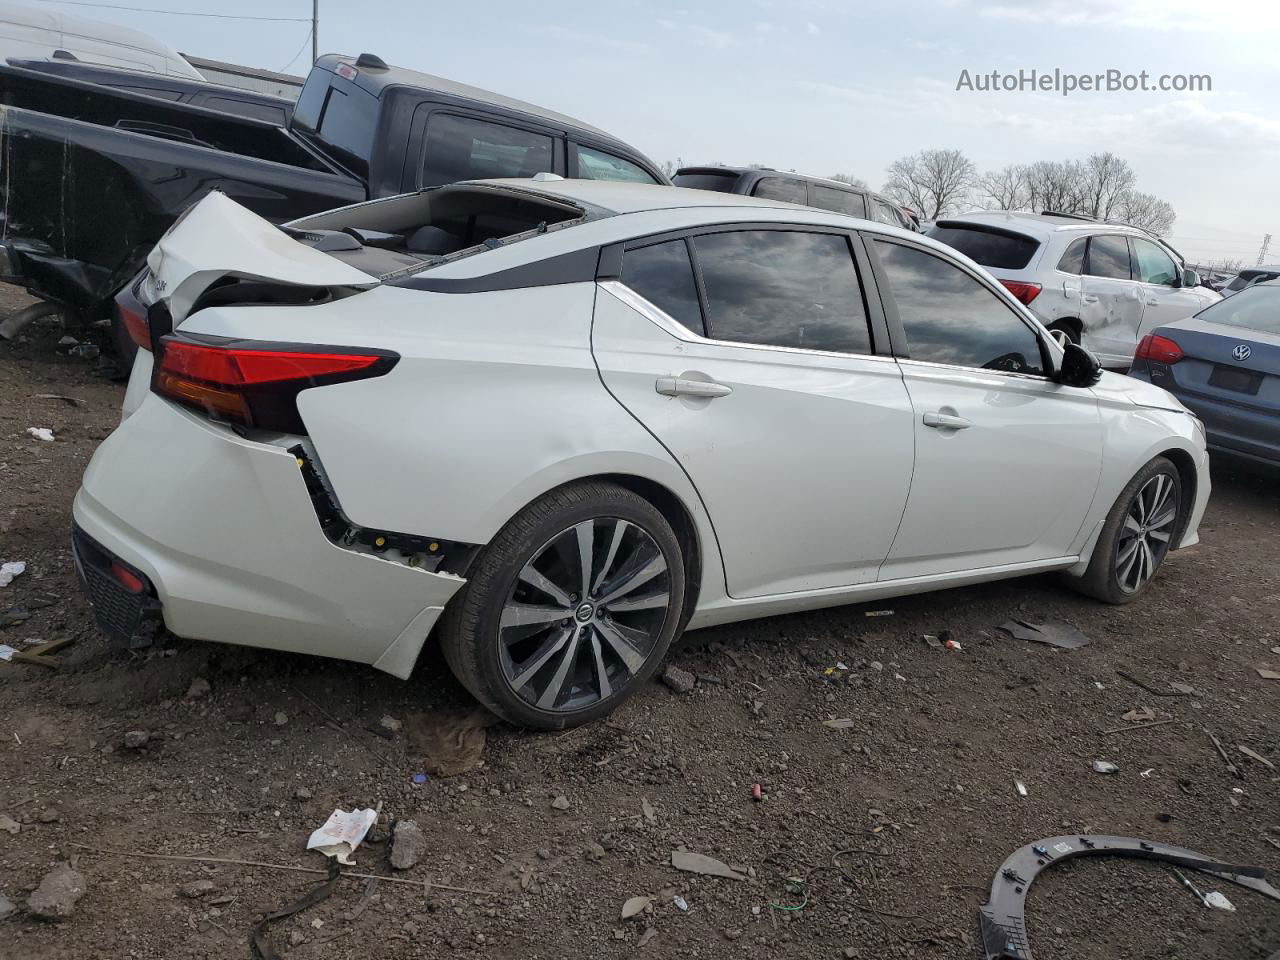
(946, 421)
(1153, 303)
(685, 387)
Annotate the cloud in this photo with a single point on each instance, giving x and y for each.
(590, 41)
(812, 28)
(1164, 15)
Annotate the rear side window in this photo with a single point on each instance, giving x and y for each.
(1000, 249)
(841, 201)
(949, 317)
(719, 182)
(783, 289)
(1073, 258)
(780, 188)
(1109, 258)
(462, 148)
(598, 165)
(663, 275)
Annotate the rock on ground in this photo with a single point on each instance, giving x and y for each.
(7, 907)
(681, 681)
(136, 739)
(57, 894)
(406, 844)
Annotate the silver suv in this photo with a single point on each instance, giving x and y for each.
(1102, 285)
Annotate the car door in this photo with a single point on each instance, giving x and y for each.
(1007, 461)
(759, 371)
(1164, 299)
(1110, 301)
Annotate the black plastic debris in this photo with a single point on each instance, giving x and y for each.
(1055, 633)
(1002, 926)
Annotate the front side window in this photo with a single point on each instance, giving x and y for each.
(780, 188)
(462, 148)
(598, 165)
(841, 201)
(1073, 258)
(663, 275)
(1108, 257)
(949, 317)
(1153, 265)
(783, 288)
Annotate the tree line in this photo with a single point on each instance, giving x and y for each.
(940, 182)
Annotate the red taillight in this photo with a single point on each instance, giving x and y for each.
(1024, 292)
(127, 578)
(256, 384)
(1158, 349)
(134, 317)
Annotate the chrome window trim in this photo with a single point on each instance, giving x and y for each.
(666, 322)
(985, 371)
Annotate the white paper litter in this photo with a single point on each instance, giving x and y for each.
(1219, 902)
(6, 651)
(342, 833)
(10, 570)
(41, 433)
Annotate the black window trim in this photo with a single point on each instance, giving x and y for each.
(898, 334)
(610, 271)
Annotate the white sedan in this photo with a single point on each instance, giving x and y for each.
(558, 422)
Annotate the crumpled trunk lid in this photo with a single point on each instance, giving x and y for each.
(218, 238)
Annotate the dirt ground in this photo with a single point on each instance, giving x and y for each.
(921, 786)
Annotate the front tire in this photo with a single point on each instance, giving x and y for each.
(1136, 536)
(570, 609)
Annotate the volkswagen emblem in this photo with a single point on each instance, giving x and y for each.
(1242, 351)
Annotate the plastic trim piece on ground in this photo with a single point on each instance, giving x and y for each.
(1002, 929)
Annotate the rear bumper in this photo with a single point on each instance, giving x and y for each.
(224, 530)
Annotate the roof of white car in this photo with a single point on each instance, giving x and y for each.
(622, 197)
(1041, 225)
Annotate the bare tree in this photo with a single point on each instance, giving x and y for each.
(1054, 185)
(1146, 211)
(849, 179)
(1104, 180)
(933, 182)
(1004, 189)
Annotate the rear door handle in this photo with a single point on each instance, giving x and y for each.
(1153, 303)
(684, 387)
(945, 421)
(1090, 298)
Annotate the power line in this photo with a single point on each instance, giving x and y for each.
(180, 13)
(307, 40)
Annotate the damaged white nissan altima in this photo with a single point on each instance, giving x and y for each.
(556, 422)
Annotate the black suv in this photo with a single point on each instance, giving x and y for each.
(797, 188)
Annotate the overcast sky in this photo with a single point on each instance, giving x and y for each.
(827, 87)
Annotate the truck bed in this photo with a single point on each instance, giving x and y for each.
(94, 176)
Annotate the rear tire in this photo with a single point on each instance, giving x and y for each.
(1130, 550)
(543, 643)
(1071, 330)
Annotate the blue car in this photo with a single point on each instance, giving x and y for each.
(1224, 364)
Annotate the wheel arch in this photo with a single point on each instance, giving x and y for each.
(1189, 479)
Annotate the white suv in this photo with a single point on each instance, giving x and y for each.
(1099, 284)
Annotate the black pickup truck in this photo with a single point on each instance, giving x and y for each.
(94, 175)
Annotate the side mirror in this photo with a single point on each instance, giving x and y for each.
(1080, 368)
(1190, 278)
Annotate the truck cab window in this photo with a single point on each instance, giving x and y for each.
(463, 148)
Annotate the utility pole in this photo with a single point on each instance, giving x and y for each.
(315, 31)
(1262, 254)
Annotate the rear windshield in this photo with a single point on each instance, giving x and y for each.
(1257, 308)
(1002, 249)
(720, 182)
